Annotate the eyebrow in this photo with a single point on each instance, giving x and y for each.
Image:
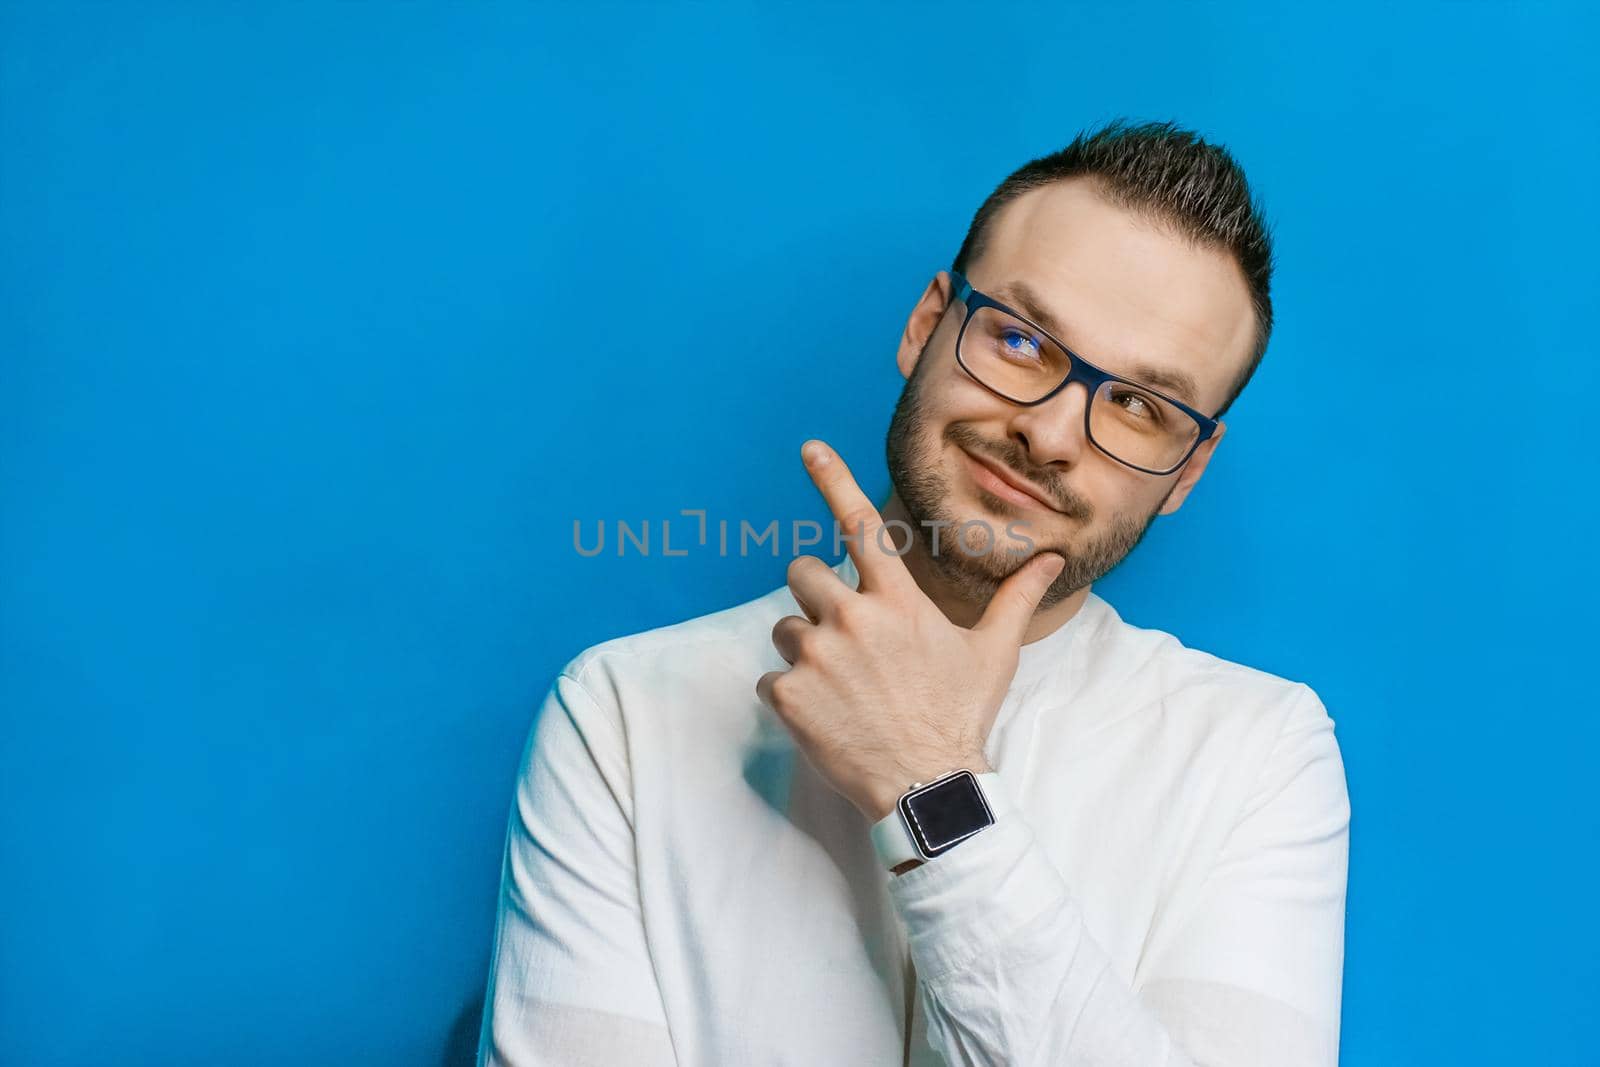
(1174, 382)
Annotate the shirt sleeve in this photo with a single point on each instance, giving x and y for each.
(1009, 974)
(570, 981)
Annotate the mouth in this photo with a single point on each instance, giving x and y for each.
(997, 481)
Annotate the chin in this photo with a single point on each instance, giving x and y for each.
(993, 537)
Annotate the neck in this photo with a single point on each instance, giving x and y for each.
(955, 602)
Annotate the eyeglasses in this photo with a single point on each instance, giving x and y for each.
(1017, 360)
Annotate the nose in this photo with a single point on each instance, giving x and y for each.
(1053, 432)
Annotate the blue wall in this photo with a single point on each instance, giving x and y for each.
(321, 323)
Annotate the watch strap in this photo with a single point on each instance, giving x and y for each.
(891, 838)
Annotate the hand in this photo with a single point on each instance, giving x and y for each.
(883, 690)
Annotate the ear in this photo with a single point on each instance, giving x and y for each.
(1192, 471)
(924, 319)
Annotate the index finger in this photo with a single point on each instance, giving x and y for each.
(859, 522)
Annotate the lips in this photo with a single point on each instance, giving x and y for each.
(1008, 479)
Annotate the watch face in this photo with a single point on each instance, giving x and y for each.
(945, 813)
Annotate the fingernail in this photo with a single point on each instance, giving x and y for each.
(814, 453)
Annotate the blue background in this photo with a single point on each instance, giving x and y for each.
(321, 324)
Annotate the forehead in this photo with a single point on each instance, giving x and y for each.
(1123, 292)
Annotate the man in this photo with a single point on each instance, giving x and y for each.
(939, 803)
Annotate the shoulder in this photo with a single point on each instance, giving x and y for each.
(701, 658)
(676, 695)
(1249, 724)
(1193, 684)
(1167, 660)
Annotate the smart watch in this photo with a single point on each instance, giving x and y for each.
(934, 817)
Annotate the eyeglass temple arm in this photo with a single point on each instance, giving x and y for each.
(963, 288)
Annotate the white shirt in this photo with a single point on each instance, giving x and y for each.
(681, 887)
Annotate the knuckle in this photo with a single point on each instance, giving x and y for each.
(779, 690)
(798, 567)
(850, 613)
(791, 632)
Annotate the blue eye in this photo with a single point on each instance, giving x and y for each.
(1012, 335)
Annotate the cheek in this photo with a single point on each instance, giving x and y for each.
(1115, 492)
(948, 391)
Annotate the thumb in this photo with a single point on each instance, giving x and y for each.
(1014, 603)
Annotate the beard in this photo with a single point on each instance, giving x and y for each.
(975, 567)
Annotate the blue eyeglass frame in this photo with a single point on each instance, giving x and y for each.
(1080, 370)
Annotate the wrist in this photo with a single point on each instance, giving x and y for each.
(884, 794)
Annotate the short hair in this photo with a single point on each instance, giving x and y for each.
(1172, 176)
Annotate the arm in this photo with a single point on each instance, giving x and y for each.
(1010, 975)
(570, 982)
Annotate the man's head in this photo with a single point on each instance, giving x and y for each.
(1140, 248)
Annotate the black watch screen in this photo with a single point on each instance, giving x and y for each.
(946, 812)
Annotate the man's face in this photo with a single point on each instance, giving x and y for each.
(1124, 294)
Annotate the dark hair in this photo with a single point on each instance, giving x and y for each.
(1171, 175)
